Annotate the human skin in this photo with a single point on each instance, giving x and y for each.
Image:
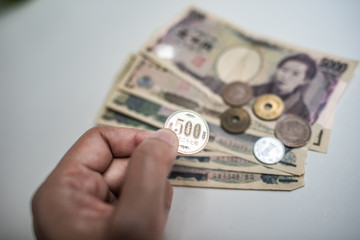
(111, 184)
(289, 76)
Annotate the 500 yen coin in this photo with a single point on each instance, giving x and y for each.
(191, 129)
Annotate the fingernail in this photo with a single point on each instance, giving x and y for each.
(166, 135)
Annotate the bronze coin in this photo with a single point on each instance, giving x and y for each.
(235, 120)
(293, 131)
(268, 107)
(237, 94)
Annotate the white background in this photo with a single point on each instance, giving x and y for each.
(58, 60)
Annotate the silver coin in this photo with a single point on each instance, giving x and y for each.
(293, 131)
(269, 150)
(191, 129)
(237, 94)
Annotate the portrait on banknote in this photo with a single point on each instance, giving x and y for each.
(292, 77)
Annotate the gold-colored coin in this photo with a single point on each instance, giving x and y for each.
(235, 120)
(268, 107)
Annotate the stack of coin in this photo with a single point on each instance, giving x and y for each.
(236, 119)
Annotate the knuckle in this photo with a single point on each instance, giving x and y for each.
(94, 130)
(78, 178)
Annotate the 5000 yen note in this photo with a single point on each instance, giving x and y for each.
(238, 145)
(201, 177)
(210, 53)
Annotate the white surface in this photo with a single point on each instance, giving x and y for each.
(59, 58)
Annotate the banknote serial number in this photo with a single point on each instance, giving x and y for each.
(333, 66)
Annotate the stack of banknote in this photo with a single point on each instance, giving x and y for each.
(187, 63)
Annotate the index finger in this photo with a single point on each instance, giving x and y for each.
(97, 147)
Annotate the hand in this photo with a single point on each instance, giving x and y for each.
(111, 184)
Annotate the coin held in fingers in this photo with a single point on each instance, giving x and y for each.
(235, 120)
(191, 129)
(237, 94)
(293, 131)
(268, 107)
(269, 150)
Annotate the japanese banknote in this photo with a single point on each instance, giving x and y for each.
(210, 53)
(186, 64)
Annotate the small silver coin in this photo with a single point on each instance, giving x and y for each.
(191, 129)
(269, 150)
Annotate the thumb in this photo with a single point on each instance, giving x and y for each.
(141, 211)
